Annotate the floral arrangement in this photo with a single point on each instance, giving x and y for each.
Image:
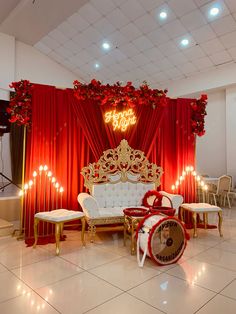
(20, 103)
(116, 94)
(198, 115)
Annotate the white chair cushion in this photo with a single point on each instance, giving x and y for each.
(201, 207)
(59, 215)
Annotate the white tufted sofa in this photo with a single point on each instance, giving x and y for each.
(117, 181)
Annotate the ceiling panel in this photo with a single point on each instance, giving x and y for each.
(142, 46)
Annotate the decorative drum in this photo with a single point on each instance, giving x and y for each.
(162, 238)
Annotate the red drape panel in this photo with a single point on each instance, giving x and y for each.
(176, 147)
(89, 117)
(56, 140)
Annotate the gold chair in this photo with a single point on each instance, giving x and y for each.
(222, 192)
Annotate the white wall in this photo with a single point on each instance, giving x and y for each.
(34, 66)
(20, 61)
(216, 150)
(211, 148)
(231, 131)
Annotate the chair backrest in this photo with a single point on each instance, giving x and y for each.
(224, 184)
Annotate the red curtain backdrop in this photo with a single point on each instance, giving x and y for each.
(55, 140)
(66, 135)
(176, 147)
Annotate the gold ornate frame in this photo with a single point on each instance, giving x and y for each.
(121, 164)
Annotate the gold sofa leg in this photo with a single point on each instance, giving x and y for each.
(92, 231)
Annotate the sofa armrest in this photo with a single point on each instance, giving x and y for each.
(176, 200)
(89, 205)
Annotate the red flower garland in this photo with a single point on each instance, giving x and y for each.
(20, 103)
(116, 94)
(198, 115)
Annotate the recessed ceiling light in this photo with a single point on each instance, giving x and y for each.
(184, 42)
(96, 65)
(163, 15)
(214, 11)
(106, 46)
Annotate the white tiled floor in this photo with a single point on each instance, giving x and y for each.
(105, 278)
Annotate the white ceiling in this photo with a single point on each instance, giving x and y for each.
(142, 46)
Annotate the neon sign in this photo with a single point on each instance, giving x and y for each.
(120, 120)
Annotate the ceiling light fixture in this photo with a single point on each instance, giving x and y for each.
(184, 42)
(214, 11)
(163, 15)
(106, 46)
(97, 65)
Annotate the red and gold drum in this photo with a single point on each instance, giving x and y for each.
(161, 238)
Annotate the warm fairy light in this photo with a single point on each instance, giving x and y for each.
(120, 120)
(21, 193)
(35, 190)
(189, 170)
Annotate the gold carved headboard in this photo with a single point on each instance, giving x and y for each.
(121, 164)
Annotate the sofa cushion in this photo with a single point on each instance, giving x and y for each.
(120, 194)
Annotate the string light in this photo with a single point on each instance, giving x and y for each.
(48, 174)
(189, 170)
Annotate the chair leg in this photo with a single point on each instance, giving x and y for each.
(220, 223)
(228, 200)
(36, 221)
(92, 232)
(83, 230)
(215, 202)
(57, 237)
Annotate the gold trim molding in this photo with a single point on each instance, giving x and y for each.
(121, 164)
